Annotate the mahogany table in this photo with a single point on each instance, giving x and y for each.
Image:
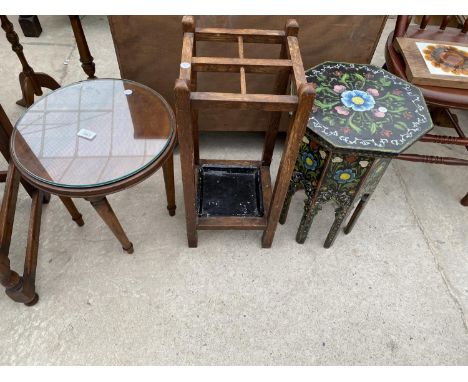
(363, 117)
(93, 138)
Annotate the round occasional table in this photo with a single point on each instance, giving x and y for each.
(93, 138)
(362, 117)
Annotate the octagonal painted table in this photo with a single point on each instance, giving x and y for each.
(362, 117)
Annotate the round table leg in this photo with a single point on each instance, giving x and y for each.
(168, 171)
(103, 208)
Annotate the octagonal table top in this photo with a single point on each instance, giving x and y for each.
(363, 107)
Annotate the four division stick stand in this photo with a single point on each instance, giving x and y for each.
(237, 194)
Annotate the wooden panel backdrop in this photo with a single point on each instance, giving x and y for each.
(148, 50)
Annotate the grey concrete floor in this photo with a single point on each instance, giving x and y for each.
(395, 291)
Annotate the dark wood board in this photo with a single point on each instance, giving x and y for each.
(148, 50)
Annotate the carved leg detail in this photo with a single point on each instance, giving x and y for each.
(103, 208)
(168, 171)
(46, 81)
(340, 214)
(307, 218)
(27, 90)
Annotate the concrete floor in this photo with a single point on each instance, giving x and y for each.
(395, 291)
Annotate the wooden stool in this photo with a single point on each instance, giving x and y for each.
(363, 117)
(222, 194)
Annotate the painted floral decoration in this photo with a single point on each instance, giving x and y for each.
(365, 107)
(357, 100)
(309, 161)
(344, 176)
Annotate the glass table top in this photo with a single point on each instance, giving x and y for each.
(363, 107)
(92, 133)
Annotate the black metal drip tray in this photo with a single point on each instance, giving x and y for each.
(225, 190)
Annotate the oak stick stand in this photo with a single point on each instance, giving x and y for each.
(238, 194)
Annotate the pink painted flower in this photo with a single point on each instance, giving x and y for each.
(373, 92)
(341, 110)
(346, 130)
(387, 133)
(407, 115)
(379, 114)
(339, 88)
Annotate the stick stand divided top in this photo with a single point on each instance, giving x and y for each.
(237, 194)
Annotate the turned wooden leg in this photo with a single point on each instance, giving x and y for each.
(8, 277)
(103, 208)
(30, 81)
(75, 214)
(357, 212)
(168, 171)
(25, 290)
(85, 55)
(464, 201)
(20, 289)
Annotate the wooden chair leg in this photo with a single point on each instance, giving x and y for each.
(104, 209)
(75, 214)
(168, 171)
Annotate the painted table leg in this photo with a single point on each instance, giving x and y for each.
(332, 176)
(357, 212)
(311, 209)
(168, 171)
(367, 188)
(103, 208)
(340, 214)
